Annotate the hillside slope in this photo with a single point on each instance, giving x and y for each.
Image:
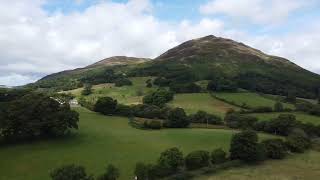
(213, 57)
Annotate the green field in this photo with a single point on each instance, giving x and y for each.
(101, 140)
(125, 94)
(192, 103)
(250, 99)
(303, 117)
(296, 167)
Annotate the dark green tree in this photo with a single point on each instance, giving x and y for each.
(177, 118)
(275, 148)
(158, 98)
(111, 173)
(298, 141)
(143, 171)
(170, 160)
(70, 172)
(106, 105)
(244, 146)
(282, 125)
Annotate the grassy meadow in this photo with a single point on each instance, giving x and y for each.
(304, 166)
(125, 94)
(250, 99)
(192, 103)
(101, 140)
(303, 117)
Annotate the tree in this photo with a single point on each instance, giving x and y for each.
(298, 141)
(112, 173)
(158, 98)
(87, 90)
(278, 107)
(149, 83)
(122, 82)
(291, 97)
(282, 125)
(171, 160)
(244, 146)
(237, 120)
(70, 172)
(218, 156)
(106, 105)
(177, 118)
(204, 117)
(142, 171)
(275, 148)
(36, 115)
(222, 85)
(197, 159)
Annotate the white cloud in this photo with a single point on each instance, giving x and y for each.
(34, 43)
(256, 11)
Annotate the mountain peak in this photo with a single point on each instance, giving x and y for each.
(118, 60)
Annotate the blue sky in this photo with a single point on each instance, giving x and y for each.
(47, 36)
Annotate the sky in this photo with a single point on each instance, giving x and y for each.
(40, 37)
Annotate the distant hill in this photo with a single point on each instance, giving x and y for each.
(206, 58)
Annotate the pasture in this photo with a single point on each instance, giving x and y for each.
(250, 99)
(193, 102)
(102, 140)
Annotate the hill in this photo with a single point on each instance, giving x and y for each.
(212, 58)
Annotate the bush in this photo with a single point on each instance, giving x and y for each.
(158, 98)
(112, 173)
(244, 146)
(237, 120)
(281, 125)
(123, 110)
(70, 172)
(161, 81)
(153, 124)
(203, 117)
(142, 171)
(170, 161)
(222, 85)
(106, 105)
(278, 107)
(87, 90)
(177, 118)
(197, 159)
(275, 148)
(185, 88)
(298, 141)
(218, 156)
(262, 109)
(146, 111)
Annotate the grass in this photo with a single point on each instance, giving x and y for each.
(192, 103)
(101, 140)
(303, 117)
(125, 94)
(250, 99)
(296, 167)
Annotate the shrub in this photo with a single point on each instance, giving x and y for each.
(281, 125)
(170, 161)
(278, 107)
(112, 173)
(158, 98)
(237, 120)
(70, 172)
(298, 141)
(161, 81)
(262, 109)
(197, 159)
(106, 105)
(153, 124)
(185, 88)
(143, 171)
(275, 148)
(123, 110)
(146, 111)
(177, 118)
(244, 146)
(222, 85)
(218, 156)
(203, 117)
